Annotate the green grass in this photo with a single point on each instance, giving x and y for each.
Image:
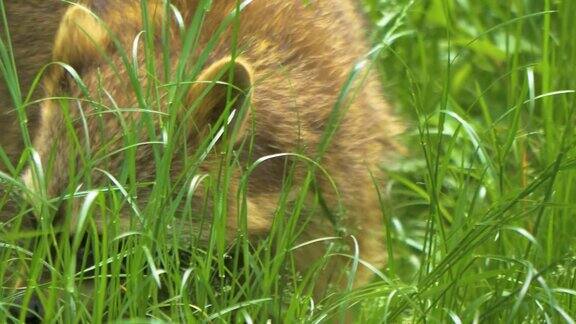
(480, 211)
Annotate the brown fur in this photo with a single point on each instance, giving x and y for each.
(294, 60)
(32, 25)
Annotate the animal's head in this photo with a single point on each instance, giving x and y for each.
(138, 110)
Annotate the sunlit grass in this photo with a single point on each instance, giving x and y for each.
(482, 206)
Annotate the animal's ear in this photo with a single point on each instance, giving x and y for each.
(81, 37)
(221, 96)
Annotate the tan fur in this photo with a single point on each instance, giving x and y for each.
(33, 25)
(294, 61)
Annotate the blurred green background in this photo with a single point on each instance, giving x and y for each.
(483, 206)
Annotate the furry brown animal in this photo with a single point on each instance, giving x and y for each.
(290, 66)
(32, 25)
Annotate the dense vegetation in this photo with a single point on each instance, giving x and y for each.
(480, 209)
